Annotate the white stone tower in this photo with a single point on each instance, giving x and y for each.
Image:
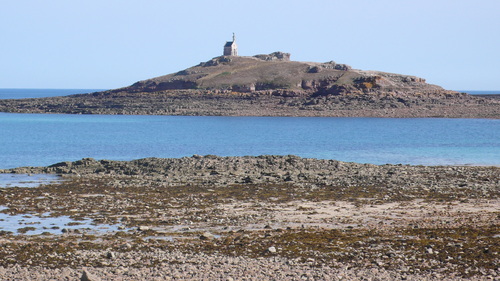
(230, 48)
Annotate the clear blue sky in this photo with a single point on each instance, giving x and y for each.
(113, 43)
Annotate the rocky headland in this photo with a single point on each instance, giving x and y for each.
(265, 217)
(271, 85)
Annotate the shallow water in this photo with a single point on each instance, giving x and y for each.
(27, 180)
(44, 223)
(47, 224)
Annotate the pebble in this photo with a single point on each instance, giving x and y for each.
(143, 228)
(271, 249)
(207, 236)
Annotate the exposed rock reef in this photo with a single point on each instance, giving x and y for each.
(304, 172)
(271, 85)
(265, 217)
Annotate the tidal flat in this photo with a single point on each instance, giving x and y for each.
(266, 217)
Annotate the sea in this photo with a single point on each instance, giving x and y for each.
(45, 139)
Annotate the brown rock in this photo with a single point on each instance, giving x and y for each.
(86, 276)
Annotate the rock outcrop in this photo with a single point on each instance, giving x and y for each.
(271, 169)
(274, 56)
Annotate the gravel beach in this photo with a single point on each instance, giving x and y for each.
(256, 218)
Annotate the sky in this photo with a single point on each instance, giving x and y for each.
(106, 44)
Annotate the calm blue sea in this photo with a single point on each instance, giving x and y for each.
(44, 139)
(479, 92)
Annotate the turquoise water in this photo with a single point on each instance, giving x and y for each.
(44, 139)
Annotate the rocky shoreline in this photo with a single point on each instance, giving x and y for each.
(444, 104)
(265, 217)
(211, 170)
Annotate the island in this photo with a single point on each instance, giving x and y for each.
(271, 85)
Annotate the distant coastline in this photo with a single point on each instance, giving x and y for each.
(474, 92)
(26, 93)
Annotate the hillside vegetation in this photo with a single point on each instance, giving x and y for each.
(276, 71)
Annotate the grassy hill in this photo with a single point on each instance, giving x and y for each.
(276, 71)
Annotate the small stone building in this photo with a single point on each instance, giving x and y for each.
(230, 48)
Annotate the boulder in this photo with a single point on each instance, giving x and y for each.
(276, 56)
